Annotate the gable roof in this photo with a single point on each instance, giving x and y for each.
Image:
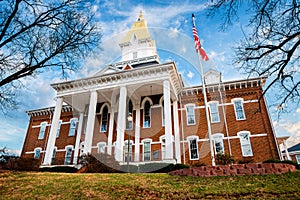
(294, 148)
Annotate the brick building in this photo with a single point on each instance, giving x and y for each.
(140, 111)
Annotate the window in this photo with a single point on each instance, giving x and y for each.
(68, 156)
(147, 113)
(163, 146)
(128, 154)
(58, 128)
(134, 55)
(193, 147)
(73, 122)
(298, 159)
(42, 130)
(147, 150)
(218, 143)
(239, 109)
(163, 113)
(214, 112)
(101, 147)
(129, 118)
(53, 156)
(37, 153)
(190, 114)
(104, 119)
(245, 143)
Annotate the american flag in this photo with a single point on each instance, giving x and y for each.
(198, 47)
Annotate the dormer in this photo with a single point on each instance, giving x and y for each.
(137, 43)
(212, 77)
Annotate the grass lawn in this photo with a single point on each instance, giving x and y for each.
(30, 185)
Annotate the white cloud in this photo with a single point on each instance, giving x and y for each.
(190, 74)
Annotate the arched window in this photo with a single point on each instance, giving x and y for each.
(147, 114)
(37, 153)
(129, 118)
(72, 130)
(58, 128)
(68, 155)
(104, 119)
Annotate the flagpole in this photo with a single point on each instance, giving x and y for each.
(206, 108)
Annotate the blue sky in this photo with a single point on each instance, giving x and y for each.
(170, 25)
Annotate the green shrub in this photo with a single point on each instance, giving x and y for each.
(22, 164)
(198, 164)
(65, 169)
(283, 161)
(224, 159)
(245, 161)
(100, 163)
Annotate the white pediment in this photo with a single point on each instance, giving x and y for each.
(106, 70)
(212, 77)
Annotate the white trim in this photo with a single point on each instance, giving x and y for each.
(99, 144)
(101, 118)
(242, 104)
(45, 127)
(249, 143)
(76, 120)
(210, 113)
(189, 138)
(186, 113)
(217, 135)
(34, 151)
(143, 106)
(143, 143)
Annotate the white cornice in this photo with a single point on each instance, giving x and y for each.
(47, 111)
(139, 75)
(230, 85)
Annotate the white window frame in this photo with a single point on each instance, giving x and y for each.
(241, 100)
(58, 128)
(162, 140)
(107, 120)
(189, 139)
(38, 149)
(101, 147)
(188, 115)
(143, 107)
(297, 158)
(53, 156)
(72, 130)
(129, 124)
(245, 143)
(126, 150)
(147, 140)
(214, 116)
(218, 137)
(68, 159)
(42, 130)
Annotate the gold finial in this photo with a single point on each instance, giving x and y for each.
(141, 15)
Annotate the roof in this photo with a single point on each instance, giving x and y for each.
(139, 28)
(294, 148)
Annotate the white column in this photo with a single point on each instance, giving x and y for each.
(90, 123)
(110, 130)
(53, 130)
(77, 143)
(121, 124)
(288, 157)
(176, 131)
(168, 121)
(137, 133)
